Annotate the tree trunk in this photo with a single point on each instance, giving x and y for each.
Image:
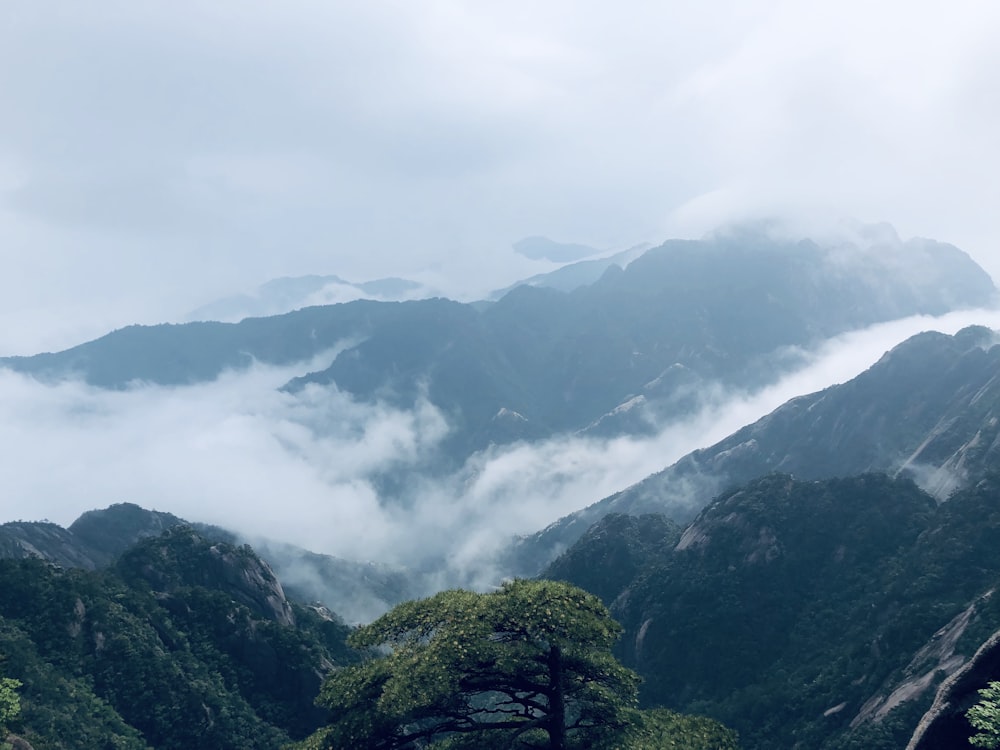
(557, 705)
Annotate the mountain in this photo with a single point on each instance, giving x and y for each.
(929, 409)
(945, 723)
(806, 614)
(170, 354)
(637, 342)
(610, 555)
(357, 591)
(542, 248)
(109, 532)
(572, 276)
(684, 314)
(43, 540)
(182, 643)
(93, 541)
(292, 293)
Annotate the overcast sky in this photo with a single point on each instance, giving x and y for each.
(157, 155)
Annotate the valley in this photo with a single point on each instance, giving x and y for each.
(806, 567)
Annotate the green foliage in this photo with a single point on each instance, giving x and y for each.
(985, 717)
(528, 665)
(10, 703)
(793, 603)
(161, 654)
(611, 553)
(665, 730)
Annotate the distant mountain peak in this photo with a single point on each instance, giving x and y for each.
(542, 248)
(289, 293)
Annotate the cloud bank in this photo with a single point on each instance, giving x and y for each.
(300, 467)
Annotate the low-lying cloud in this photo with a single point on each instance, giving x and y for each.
(240, 453)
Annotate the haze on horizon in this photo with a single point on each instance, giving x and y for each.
(156, 156)
(302, 468)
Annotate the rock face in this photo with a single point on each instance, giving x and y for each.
(929, 409)
(936, 658)
(181, 558)
(20, 539)
(945, 725)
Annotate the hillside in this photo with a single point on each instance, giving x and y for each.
(182, 643)
(928, 409)
(358, 591)
(815, 614)
(805, 614)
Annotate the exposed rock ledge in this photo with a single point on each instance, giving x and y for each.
(944, 724)
(935, 657)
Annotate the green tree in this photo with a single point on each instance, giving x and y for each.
(10, 703)
(528, 665)
(661, 729)
(985, 716)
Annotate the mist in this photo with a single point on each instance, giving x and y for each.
(300, 468)
(157, 156)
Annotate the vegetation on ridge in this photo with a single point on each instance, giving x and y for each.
(526, 666)
(159, 651)
(792, 610)
(985, 717)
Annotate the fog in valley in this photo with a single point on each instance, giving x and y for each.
(303, 467)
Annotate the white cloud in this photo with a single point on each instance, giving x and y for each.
(154, 156)
(299, 467)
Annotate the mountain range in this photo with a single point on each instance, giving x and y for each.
(822, 578)
(929, 408)
(618, 356)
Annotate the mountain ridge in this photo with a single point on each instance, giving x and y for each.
(357, 591)
(927, 408)
(807, 614)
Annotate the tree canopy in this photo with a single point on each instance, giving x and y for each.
(661, 729)
(528, 665)
(10, 703)
(985, 717)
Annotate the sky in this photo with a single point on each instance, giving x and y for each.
(156, 156)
